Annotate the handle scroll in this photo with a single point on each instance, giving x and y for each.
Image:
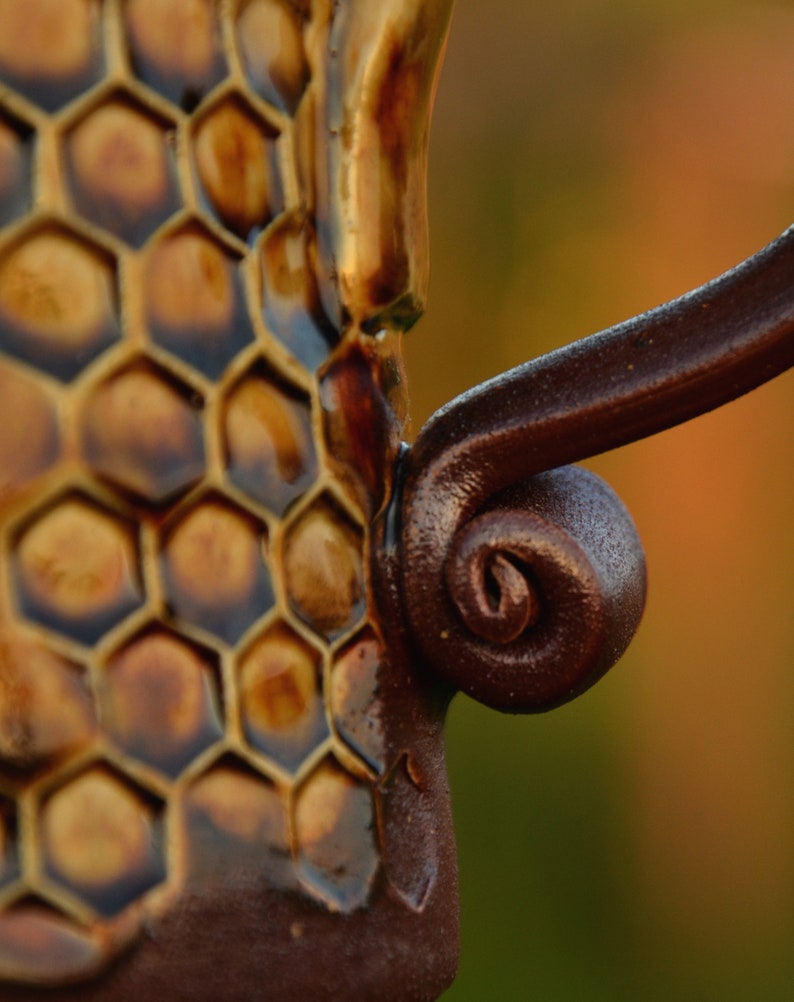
(544, 590)
(507, 556)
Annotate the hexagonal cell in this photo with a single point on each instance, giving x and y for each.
(195, 301)
(16, 161)
(335, 828)
(50, 50)
(175, 47)
(280, 696)
(293, 311)
(46, 707)
(103, 839)
(58, 300)
(324, 568)
(235, 161)
(121, 169)
(41, 946)
(31, 443)
(355, 704)
(269, 442)
(270, 42)
(9, 850)
(236, 827)
(142, 430)
(214, 569)
(160, 700)
(76, 568)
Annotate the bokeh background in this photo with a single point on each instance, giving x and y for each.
(590, 159)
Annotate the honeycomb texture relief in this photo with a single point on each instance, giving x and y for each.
(189, 655)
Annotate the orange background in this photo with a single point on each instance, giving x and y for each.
(590, 159)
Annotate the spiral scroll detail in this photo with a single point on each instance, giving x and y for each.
(529, 601)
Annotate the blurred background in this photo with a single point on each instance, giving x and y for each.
(590, 159)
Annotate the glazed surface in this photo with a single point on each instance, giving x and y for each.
(191, 664)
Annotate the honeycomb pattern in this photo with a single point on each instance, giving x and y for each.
(189, 658)
(160, 700)
(269, 444)
(237, 821)
(325, 574)
(281, 701)
(175, 47)
(27, 405)
(361, 397)
(214, 569)
(195, 301)
(234, 159)
(292, 307)
(77, 568)
(58, 296)
(102, 839)
(142, 430)
(50, 52)
(271, 49)
(46, 707)
(121, 169)
(335, 824)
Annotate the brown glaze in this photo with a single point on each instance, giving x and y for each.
(234, 611)
(381, 82)
(233, 155)
(142, 430)
(269, 35)
(293, 310)
(194, 294)
(121, 170)
(206, 735)
(76, 567)
(268, 437)
(58, 299)
(175, 46)
(362, 411)
(46, 710)
(22, 460)
(50, 50)
(473, 557)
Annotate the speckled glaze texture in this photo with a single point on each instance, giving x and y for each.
(233, 607)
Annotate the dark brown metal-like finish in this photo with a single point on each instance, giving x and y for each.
(474, 566)
(233, 608)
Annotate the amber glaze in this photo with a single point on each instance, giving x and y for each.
(202, 793)
(233, 609)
